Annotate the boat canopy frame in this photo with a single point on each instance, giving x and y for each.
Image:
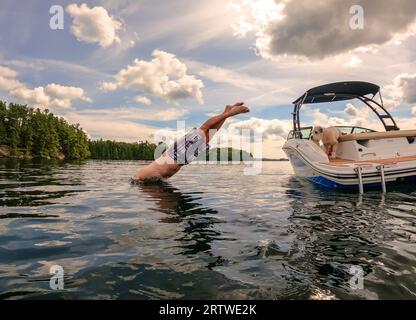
(340, 91)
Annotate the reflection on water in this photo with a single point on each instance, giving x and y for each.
(197, 220)
(210, 233)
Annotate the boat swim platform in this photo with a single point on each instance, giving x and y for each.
(378, 135)
(347, 163)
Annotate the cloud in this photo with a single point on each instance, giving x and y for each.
(94, 25)
(51, 96)
(57, 91)
(107, 86)
(273, 134)
(7, 84)
(269, 128)
(404, 88)
(7, 72)
(255, 15)
(318, 29)
(143, 100)
(351, 110)
(34, 97)
(164, 76)
(7, 79)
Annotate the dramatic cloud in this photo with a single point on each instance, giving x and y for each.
(317, 29)
(164, 76)
(51, 96)
(255, 15)
(94, 25)
(143, 100)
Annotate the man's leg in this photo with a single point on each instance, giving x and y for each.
(227, 108)
(216, 122)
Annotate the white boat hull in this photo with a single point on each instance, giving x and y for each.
(309, 161)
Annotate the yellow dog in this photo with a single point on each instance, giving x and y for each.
(329, 137)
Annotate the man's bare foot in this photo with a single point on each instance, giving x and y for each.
(227, 108)
(237, 109)
(230, 106)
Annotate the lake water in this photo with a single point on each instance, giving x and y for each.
(210, 233)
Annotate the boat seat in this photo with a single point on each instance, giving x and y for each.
(378, 135)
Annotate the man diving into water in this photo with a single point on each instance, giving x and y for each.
(187, 148)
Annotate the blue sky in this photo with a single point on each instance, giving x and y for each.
(190, 58)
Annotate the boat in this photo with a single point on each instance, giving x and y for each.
(364, 158)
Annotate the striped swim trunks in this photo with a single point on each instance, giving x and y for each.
(189, 147)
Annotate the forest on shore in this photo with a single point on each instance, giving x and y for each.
(33, 133)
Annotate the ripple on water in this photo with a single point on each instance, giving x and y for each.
(210, 233)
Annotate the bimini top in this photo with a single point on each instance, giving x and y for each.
(338, 91)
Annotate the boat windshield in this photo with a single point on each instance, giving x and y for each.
(305, 132)
(353, 129)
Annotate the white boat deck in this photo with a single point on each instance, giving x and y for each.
(347, 163)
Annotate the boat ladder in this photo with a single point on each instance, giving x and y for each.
(380, 168)
(359, 171)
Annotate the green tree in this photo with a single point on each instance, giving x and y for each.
(3, 119)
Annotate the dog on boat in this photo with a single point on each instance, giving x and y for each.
(329, 137)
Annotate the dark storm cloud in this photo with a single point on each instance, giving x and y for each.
(317, 29)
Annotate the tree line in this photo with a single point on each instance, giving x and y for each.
(112, 150)
(35, 133)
